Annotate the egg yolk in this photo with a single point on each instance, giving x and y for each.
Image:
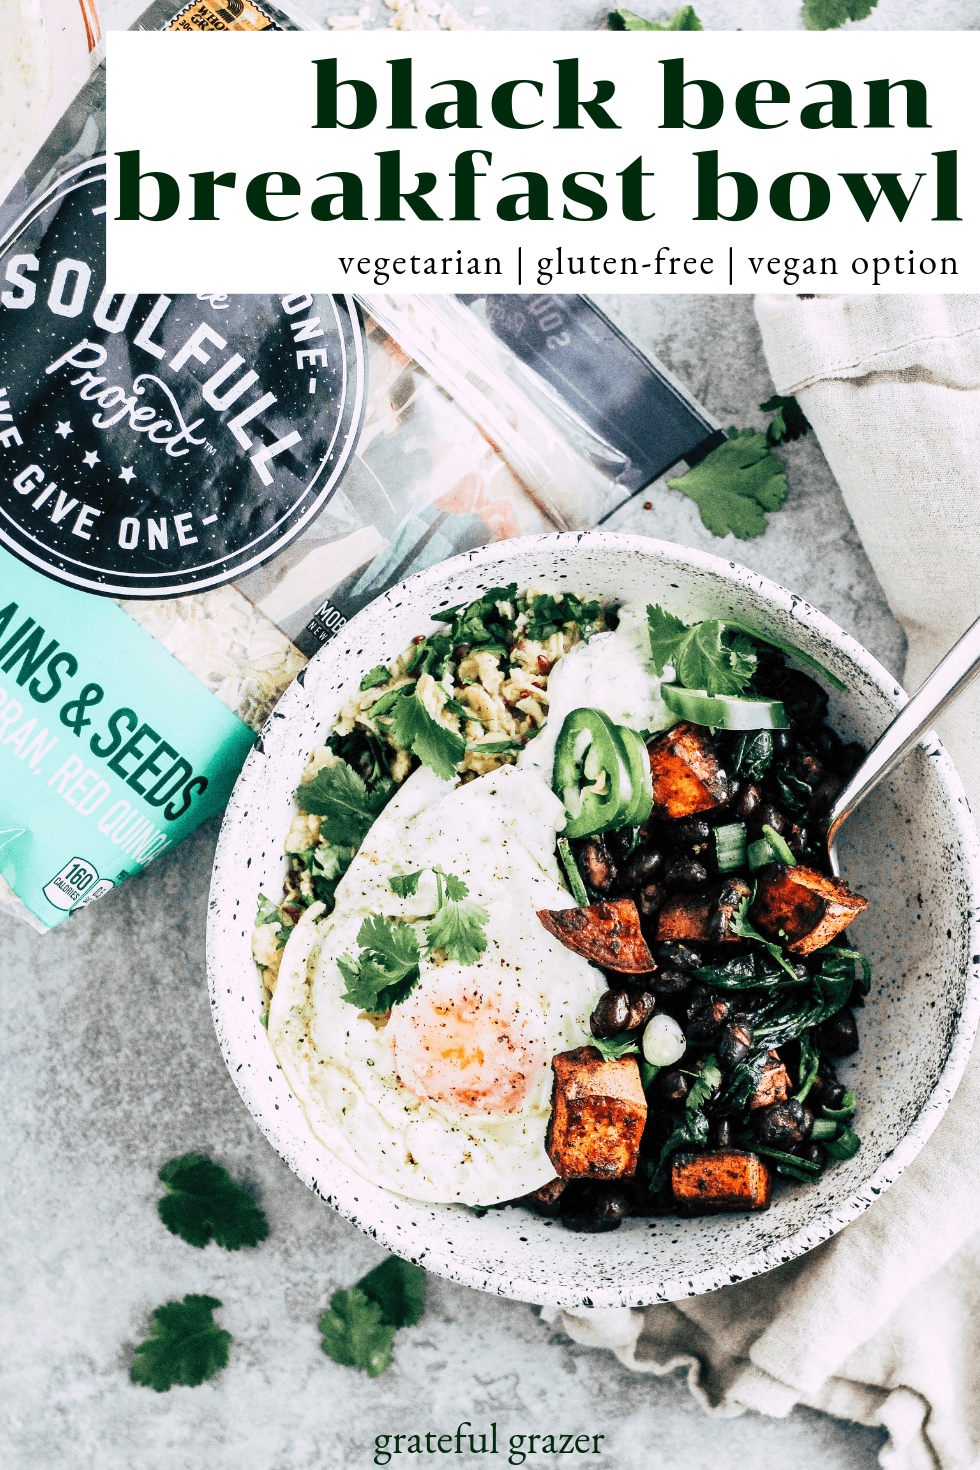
(469, 1045)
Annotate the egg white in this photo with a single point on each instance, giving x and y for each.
(497, 833)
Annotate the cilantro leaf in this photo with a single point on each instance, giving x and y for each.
(355, 1334)
(398, 1287)
(339, 795)
(204, 1203)
(329, 861)
(614, 1047)
(326, 865)
(705, 661)
(683, 20)
(406, 884)
(827, 15)
(387, 969)
(703, 656)
(458, 928)
(789, 421)
(667, 633)
(267, 912)
(705, 1084)
(184, 1345)
(735, 484)
(482, 621)
(548, 615)
(378, 675)
(414, 729)
(456, 889)
(742, 926)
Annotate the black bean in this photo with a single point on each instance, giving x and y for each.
(642, 1007)
(689, 832)
(769, 815)
(642, 868)
(593, 1211)
(684, 873)
(649, 900)
(596, 866)
(613, 1204)
(705, 1018)
(611, 1013)
(784, 1124)
(721, 1133)
(734, 1042)
(748, 803)
(672, 1086)
(815, 1154)
(668, 981)
(783, 741)
(679, 956)
(797, 840)
(839, 1035)
(832, 1094)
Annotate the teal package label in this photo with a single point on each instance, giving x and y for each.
(110, 751)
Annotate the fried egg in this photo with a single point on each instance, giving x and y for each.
(449, 1100)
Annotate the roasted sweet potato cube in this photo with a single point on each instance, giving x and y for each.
(687, 777)
(774, 1084)
(608, 933)
(598, 1111)
(721, 1180)
(705, 918)
(802, 907)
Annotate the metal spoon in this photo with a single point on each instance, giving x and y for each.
(946, 682)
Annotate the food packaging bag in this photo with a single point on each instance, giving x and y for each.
(196, 492)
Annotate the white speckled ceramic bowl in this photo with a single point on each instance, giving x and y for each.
(912, 849)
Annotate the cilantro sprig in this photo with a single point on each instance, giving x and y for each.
(736, 484)
(359, 1328)
(827, 15)
(706, 656)
(547, 615)
(682, 20)
(185, 1345)
(705, 1084)
(387, 969)
(414, 729)
(342, 798)
(204, 1203)
(458, 926)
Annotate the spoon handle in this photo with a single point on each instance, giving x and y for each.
(946, 682)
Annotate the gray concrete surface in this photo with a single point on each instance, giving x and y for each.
(111, 1068)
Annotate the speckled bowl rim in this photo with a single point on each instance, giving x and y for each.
(409, 1240)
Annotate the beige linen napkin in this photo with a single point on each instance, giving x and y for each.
(882, 1323)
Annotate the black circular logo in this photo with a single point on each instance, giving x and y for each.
(151, 446)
